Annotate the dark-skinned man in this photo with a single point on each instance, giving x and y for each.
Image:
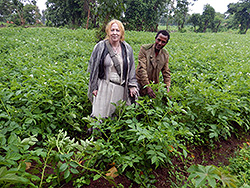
(152, 60)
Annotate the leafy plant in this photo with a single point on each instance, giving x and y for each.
(210, 176)
(9, 177)
(68, 157)
(240, 165)
(142, 136)
(15, 156)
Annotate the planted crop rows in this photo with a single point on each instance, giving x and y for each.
(44, 109)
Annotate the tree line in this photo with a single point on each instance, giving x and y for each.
(139, 15)
(19, 12)
(237, 16)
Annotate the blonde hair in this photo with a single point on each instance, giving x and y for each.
(120, 26)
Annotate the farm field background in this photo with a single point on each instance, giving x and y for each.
(44, 107)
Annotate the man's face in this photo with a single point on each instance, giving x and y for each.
(160, 41)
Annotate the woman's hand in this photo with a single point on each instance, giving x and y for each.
(94, 93)
(133, 91)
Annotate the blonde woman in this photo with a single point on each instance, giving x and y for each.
(112, 72)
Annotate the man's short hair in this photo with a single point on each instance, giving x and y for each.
(163, 32)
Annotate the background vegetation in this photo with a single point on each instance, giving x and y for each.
(44, 110)
(138, 15)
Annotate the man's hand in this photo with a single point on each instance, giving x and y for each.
(151, 92)
(168, 88)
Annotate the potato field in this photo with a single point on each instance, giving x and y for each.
(44, 111)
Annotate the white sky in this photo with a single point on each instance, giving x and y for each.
(218, 5)
(41, 4)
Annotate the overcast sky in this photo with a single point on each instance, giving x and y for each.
(218, 5)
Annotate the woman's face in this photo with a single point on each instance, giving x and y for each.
(115, 33)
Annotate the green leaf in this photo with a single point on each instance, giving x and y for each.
(129, 121)
(73, 115)
(161, 154)
(63, 167)
(184, 153)
(3, 171)
(151, 152)
(13, 156)
(74, 171)
(4, 116)
(211, 181)
(73, 164)
(157, 147)
(2, 140)
(30, 141)
(40, 152)
(96, 177)
(28, 121)
(154, 159)
(213, 134)
(199, 181)
(12, 178)
(141, 137)
(86, 181)
(66, 174)
(12, 139)
(124, 167)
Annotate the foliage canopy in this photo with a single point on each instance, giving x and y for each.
(241, 14)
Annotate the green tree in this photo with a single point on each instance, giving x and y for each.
(229, 22)
(17, 6)
(18, 12)
(83, 12)
(168, 13)
(5, 10)
(31, 13)
(105, 11)
(88, 7)
(207, 17)
(218, 20)
(195, 20)
(144, 14)
(108, 9)
(180, 13)
(133, 15)
(71, 12)
(175, 12)
(241, 14)
(61, 13)
(43, 19)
